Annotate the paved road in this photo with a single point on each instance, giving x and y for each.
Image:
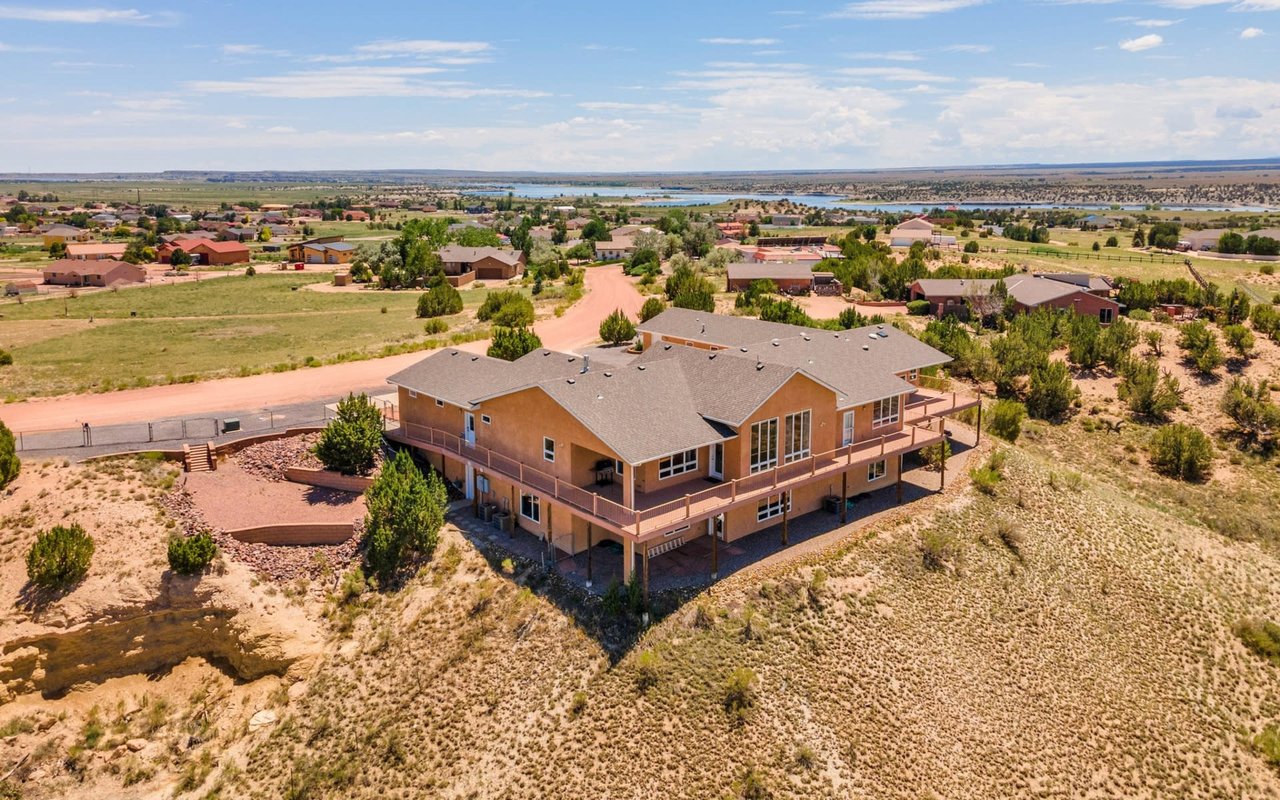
(606, 289)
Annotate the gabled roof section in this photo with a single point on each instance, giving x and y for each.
(718, 329)
(641, 411)
(469, 255)
(464, 379)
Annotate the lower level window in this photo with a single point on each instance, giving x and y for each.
(772, 507)
(530, 507)
(875, 470)
(678, 464)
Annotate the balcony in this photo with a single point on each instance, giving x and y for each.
(662, 511)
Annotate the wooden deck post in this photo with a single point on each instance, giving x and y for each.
(978, 438)
(589, 527)
(475, 494)
(715, 552)
(942, 446)
(551, 548)
(644, 577)
(628, 559)
(844, 497)
(512, 511)
(785, 502)
(900, 462)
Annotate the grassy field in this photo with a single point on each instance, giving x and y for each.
(220, 326)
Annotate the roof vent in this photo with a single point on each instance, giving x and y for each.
(743, 349)
(640, 367)
(872, 335)
(805, 336)
(866, 347)
(666, 347)
(712, 356)
(759, 366)
(608, 374)
(586, 363)
(475, 358)
(571, 381)
(880, 327)
(599, 397)
(884, 334)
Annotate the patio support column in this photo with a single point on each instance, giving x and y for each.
(942, 475)
(628, 559)
(978, 438)
(844, 497)
(900, 464)
(589, 527)
(512, 511)
(786, 501)
(551, 548)
(475, 495)
(715, 553)
(644, 576)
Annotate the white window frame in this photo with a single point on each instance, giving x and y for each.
(804, 419)
(618, 467)
(678, 464)
(1111, 315)
(913, 375)
(771, 461)
(412, 394)
(886, 412)
(548, 452)
(439, 403)
(486, 419)
(847, 431)
(877, 470)
(534, 505)
(772, 506)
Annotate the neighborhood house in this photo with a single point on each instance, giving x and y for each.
(328, 250)
(95, 251)
(1083, 294)
(100, 272)
(724, 426)
(462, 265)
(918, 230)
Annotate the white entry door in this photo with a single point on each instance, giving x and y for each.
(469, 428)
(715, 468)
(470, 482)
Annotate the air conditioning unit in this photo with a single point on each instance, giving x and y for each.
(505, 521)
(487, 510)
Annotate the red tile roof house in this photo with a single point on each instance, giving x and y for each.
(71, 272)
(462, 265)
(204, 251)
(723, 427)
(1028, 292)
(94, 251)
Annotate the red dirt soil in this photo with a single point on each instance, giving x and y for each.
(606, 289)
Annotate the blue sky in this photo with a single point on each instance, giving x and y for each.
(602, 86)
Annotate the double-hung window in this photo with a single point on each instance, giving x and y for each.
(764, 445)
(886, 411)
(797, 439)
(876, 470)
(678, 464)
(846, 430)
(548, 449)
(772, 506)
(531, 507)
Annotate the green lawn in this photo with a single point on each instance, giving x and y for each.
(223, 326)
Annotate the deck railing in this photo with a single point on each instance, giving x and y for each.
(640, 521)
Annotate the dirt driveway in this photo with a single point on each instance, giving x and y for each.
(606, 289)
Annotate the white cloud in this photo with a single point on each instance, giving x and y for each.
(975, 49)
(901, 9)
(357, 82)
(892, 55)
(151, 104)
(1142, 43)
(421, 47)
(27, 48)
(759, 42)
(1155, 23)
(905, 74)
(251, 50)
(85, 16)
(276, 129)
(1236, 5)
(1251, 33)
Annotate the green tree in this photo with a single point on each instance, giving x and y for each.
(1239, 338)
(1230, 242)
(191, 555)
(349, 443)
(1084, 341)
(440, 300)
(57, 250)
(507, 309)
(1181, 451)
(509, 344)
(264, 233)
(137, 252)
(1050, 391)
(652, 307)
(1200, 345)
(1139, 238)
(1005, 419)
(1117, 341)
(59, 557)
(10, 464)
(971, 247)
(1146, 390)
(1236, 309)
(180, 258)
(405, 513)
(617, 328)
(1249, 405)
(1112, 241)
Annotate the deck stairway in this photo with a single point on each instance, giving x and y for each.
(197, 458)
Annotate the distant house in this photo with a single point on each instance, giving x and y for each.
(240, 234)
(104, 272)
(465, 264)
(61, 234)
(1098, 222)
(787, 220)
(355, 215)
(795, 277)
(205, 251)
(615, 249)
(732, 230)
(95, 251)
(17, 288)
(1028, 292)
(918, 229)
(326, 250)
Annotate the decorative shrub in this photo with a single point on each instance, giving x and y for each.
(652, 308)
(350, 442)
(1004, 419)
(439, 301)
(920, 308)
(60, 557)
(405, 512)
(10, 464)
(617, 328)
(191, 555)
(1181, 451)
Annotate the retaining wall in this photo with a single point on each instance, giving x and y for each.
(327, 479)
(235, 446)
(295, 533)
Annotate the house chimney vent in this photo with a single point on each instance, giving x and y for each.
(866, 347)
(608, 374)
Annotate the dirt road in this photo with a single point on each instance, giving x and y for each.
(606, 289)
